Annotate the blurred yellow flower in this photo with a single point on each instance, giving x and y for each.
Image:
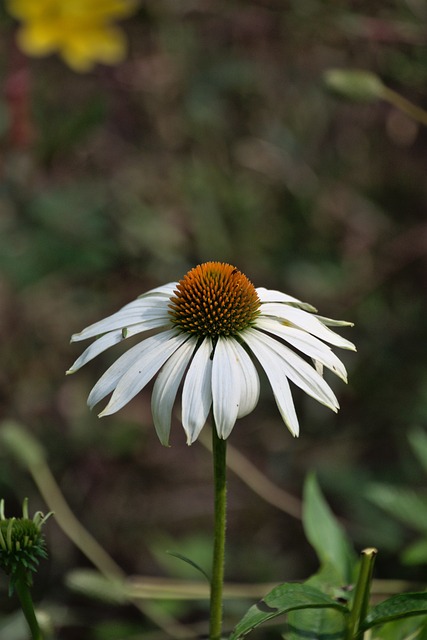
(81, 31)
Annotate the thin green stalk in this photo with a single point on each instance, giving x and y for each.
(412, 110)
(219, 448)
(24, 595)
(361, 594)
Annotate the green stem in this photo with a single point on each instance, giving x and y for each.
(361, 595)
(412, 110)
(26, 601)
(219, 448)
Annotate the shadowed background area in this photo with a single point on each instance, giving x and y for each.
(216, 138)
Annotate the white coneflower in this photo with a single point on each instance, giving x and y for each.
(212, 325)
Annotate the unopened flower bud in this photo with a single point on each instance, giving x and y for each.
(354, 84)
(21, 544)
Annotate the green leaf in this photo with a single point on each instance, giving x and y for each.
(405, 504)
(416, 553)
(414, 628)
(283, 599)
(325, 534)
(418, 441)
(320, 623)
(328, 581)
(395, 608)
(198, 547)
(316, 624)
(190, 562)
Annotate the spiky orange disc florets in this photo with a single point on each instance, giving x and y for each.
(214, 299)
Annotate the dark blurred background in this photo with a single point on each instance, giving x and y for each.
(216, 139)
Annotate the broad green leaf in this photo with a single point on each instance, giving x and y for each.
(414, 628)
(283, 599)
(418, 441)
(320, 623)
(325, 534)
(416, 553)
(408, 506)
(400, 606)
(312, 624)
(328, 581)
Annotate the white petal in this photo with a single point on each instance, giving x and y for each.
(166, 387)
(270, 295)
(300, 372)
(197, 392)
(273, 368)
(249, 380)
(97, 347)
(306, 321)
(112, 338)
(226, 387)
(164, 290)
(306, 343)
(334, 323)
(319, 368)
(141, 372)
(135, 312)
(108, 381)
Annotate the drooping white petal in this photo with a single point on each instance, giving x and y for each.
(305, 342)
(276, 375)
(306, 321)
(164, 290)
(108, 381)
(166, 387)
(300, 372)
(226, 386)
(113, 337)
(104, 342)
(270, 295)
(330, 322)
(197, 391)
(136, 312)
(141, 372)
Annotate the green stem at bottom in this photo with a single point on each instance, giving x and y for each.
(361, 594)
(219, 448)
(24, 595)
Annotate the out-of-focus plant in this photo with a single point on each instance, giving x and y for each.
(365, 86)
(21, 547)
(82, 32)
(406, 504)
(335, 602)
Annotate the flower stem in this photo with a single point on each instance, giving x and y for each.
(412, 110)
(24, 595)
(361, 595)
(219, 448)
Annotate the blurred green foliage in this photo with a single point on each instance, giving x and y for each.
(216, 139)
